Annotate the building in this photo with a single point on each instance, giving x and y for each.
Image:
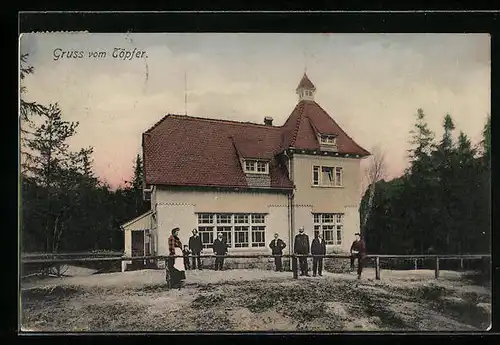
(250, 180)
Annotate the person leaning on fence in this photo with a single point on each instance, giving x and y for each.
(277, 245)
(318, 247)
(358, 251)
(301, 247)
(176, 264)
(220, 248)
(196, 246)
(186, 253)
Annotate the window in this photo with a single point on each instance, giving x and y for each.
(223, 219)
(329, 176)
(239, 230)
(241, 236)
(331, 225)
(205, 218)
(207, 235)
(258, 234)
(338, 176)
(258, 218)
(241, 218)
(315, 175)
(328, 140)
(261, 167)
(226, 234)
(256, 167)
(250, 166)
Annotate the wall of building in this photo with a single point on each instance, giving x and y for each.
(311, 199)
(177, 208)
(326, 199)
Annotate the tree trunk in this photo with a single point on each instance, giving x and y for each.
(369, 206)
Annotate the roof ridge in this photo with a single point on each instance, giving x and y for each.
(187, 117)
(301, 106)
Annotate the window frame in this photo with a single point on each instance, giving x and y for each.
(337, 172)
(256, 169)
(249, 224)
(333, 223)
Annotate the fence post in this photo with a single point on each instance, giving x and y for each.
(377, 268)
(436, 272)
(294, 267)
(415, 263)
(462, 264)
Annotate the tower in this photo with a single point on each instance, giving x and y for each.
(305, 89)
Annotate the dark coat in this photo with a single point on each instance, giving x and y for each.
(219, 247)
(318, 248)
(359, 246)
(195, 244)
(277, 249)
(301, 244)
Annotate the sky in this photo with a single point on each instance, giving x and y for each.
(370, 84)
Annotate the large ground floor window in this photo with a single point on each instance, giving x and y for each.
(239, 230)
(331, 225)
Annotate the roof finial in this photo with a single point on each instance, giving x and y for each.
(305, 61)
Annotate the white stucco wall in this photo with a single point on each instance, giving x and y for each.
(277, 221)
(127, 251)
(311, 199)
(177, 208)
(170, 216)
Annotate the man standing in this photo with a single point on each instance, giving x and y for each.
(195, 246)
(277, 245)
(301, 246)
(318, 247)
(358, 250)
(220, 248)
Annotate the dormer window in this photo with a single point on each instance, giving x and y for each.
(256, 167)
(328, 140)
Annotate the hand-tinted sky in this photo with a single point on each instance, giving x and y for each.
(371, 84)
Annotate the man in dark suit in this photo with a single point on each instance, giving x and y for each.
(318, 247)
(195, 246)
(358, 251)
(220, 248)
(277, 245)
(301, 246)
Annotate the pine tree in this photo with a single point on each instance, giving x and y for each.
(420, 184)
(28, 110)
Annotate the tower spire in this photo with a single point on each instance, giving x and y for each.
(306, 89)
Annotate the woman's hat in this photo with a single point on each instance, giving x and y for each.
(175, 229)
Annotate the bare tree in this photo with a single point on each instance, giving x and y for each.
(374, 172)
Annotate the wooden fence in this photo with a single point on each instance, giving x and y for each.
(102, 257)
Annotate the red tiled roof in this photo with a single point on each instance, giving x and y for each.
(189, 151)
(305, 82)
(306, 121)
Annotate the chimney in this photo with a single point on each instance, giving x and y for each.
(268, 121)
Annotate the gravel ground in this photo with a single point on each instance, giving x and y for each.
(256, 300)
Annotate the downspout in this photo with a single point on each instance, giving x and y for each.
(291, 213)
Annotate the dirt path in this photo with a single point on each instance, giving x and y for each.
(256, 300)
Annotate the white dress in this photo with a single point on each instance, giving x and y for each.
(179, 261)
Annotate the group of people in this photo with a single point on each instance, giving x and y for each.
(179, 262)
(318, 247)
(178, 265)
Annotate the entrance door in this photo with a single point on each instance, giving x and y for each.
(137, 243)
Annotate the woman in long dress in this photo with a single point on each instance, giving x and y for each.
(176, 264)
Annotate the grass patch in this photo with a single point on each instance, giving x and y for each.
(431, 292)
(50, 293)
(207, 301)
